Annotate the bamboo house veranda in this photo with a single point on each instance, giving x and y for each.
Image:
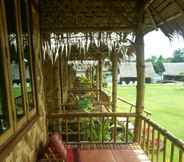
(52, 54)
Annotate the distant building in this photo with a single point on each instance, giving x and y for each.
(174, 71)
(127, 73)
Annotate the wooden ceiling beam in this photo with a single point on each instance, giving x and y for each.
(148, 3)
(152, 18)
(170, 18)
(179, 6)
(89, 29)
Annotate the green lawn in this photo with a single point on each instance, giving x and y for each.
(165, 102)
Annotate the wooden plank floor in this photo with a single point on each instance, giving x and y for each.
(112, 153)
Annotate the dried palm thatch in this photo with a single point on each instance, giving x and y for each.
(79, 26)
(88, 46)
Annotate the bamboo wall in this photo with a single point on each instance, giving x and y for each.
(27, 146)
(26, 150)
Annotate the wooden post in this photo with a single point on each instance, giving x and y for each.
(139, 47)
(100, 77)
(92, 76)
(97, 81)
(114, 82)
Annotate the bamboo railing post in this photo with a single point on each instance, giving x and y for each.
(172, 153)
(158, 147)
(114, 129)
(144, 134)
(141, 132)
(152, 144)
(100, 77)
(78, 128)
(91, 137)
(139, 47)
(126, 131)
(97, 81)
(181, 156)
(92, 76)
(165, 150)
(66, 129)
(114, 82)
(148, 139)
(103, 120)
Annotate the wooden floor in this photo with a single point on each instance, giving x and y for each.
(112, 153)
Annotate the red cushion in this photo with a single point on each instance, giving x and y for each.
(57, 146)
(73, 154)
(70, 155)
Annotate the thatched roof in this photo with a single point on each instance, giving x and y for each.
(174, 69)
(120, 15)
(128, 69)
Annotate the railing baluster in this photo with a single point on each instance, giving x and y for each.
(90, 120)
(78, 128)
(144, 133)
(140, 134)
(153, 145)
(102, 129)
(172, 153)
(66, 129)
(165, 149)
(114, 129)
(148, 139)
(180, 156)
(126, 131)
(59, 125)
(158, 147)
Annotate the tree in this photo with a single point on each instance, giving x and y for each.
(178, 56)
(158, 64)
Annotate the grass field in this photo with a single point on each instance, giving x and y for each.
(165, 102)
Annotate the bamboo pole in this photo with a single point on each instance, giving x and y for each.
(92, 76)
(97, 81)
(114, 82)
(100, 77)
(139, 47)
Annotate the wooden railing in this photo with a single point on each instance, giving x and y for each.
(132, 106)
(159, 144)
(84, 90)
(78, 128)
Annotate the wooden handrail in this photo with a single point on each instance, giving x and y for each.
(131, 105)
(165, 141)
(91, 114)
(83, 89)
(179, 143)
(101, 127)
(120, 99)
(134, 106)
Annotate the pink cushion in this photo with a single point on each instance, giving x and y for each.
(57, 146)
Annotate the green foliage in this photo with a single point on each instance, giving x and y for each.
(98, 128)
(158, 64)
(84, 104)
(178, 56)
(104, 84)
(84, 80)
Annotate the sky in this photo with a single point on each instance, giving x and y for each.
(156, 44)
